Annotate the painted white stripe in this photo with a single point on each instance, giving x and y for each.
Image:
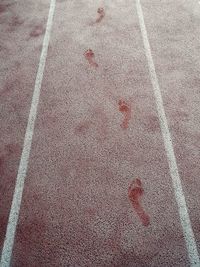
(17, 197)
(180, 198)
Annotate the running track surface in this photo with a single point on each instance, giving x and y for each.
(100, 133)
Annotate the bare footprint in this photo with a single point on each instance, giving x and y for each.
(135, 192)
(125, 108)
(90, 57)
(101, 14)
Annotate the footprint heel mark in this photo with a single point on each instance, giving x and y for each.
(90, 57)
(135, 192)
(125, 108)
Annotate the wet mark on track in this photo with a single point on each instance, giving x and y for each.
(135, 192)
(181, 116)
(98, 124)
(30, 238)
(9, 157)
(9, 87)
(125, 108)
(5, 156)
(82, 127)
(3, 7)
(37, 31)
(151, 123)
(90, 57)
(101, 14)
(15, 22)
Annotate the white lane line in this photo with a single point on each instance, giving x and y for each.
(16, 201)
(178, 190)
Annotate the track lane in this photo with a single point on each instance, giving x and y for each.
(75, 209)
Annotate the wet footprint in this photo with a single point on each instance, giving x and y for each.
(125, 108)
(90, 57)
(135, 192)
(101, 14)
